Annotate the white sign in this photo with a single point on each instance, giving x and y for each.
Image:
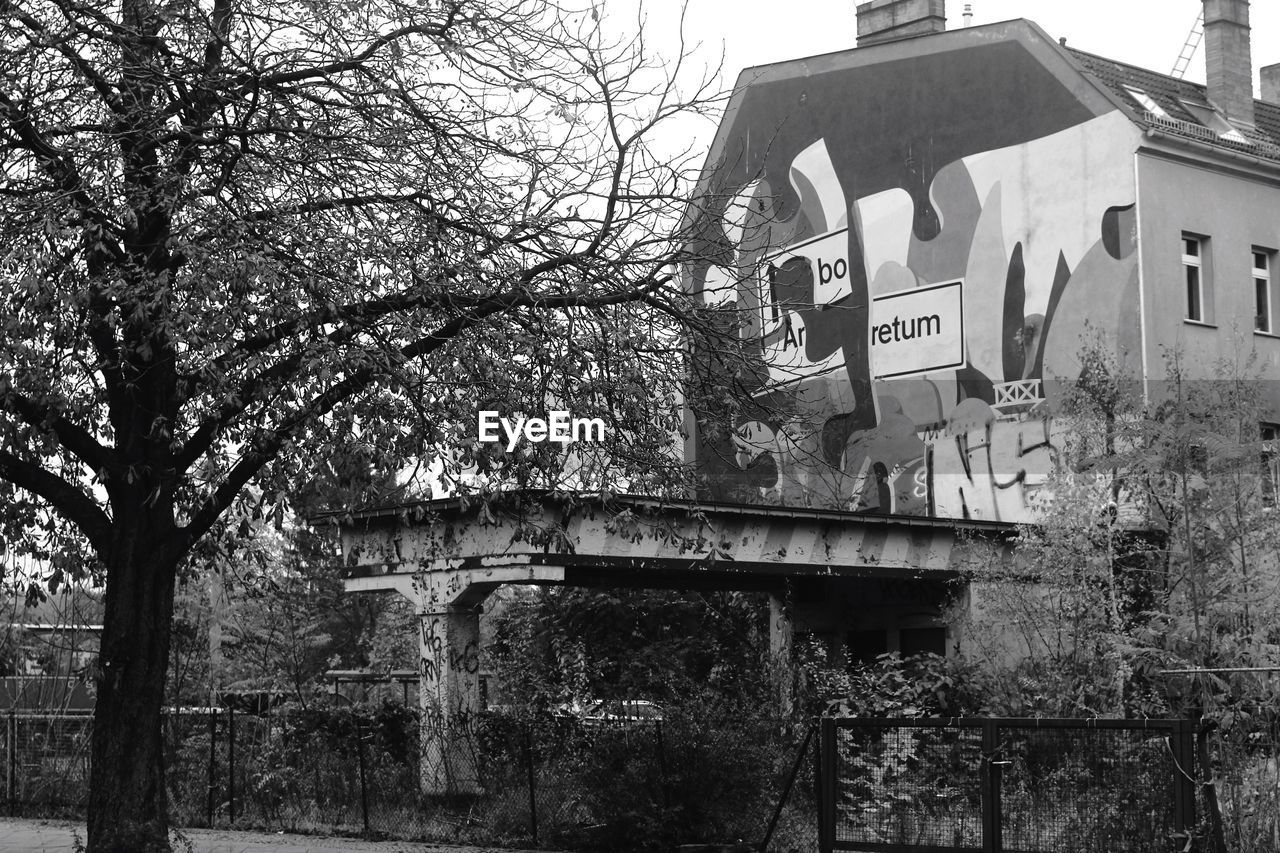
(828, 259)
(918, 330)
(827, 256)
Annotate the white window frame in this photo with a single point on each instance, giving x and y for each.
(1264, 285)
(1147, 102)
(1212, 118)
(1270, 486)
(1193, 262)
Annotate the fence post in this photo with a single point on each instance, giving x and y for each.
(991, 772)
(826, 785)
(231, 764)
(211, 791)
(533, 797)
(11, 766)
(364, 783)
(786, 789)
(1184, 780)
(662, 764)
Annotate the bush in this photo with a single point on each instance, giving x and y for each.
(918, 686)
(689, 778)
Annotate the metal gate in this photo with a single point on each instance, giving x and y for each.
(1005, 785)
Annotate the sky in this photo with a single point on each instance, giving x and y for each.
(1146, 33)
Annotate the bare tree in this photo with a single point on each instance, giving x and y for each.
(241, 238)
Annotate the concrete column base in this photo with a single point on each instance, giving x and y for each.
(781, 635)
(449, 699)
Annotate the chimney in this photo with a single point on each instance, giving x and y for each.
(1271, 84)
(1228, 59)
(880, 21)
(968, 14)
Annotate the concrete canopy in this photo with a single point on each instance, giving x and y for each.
(446, 556)
(630, 540)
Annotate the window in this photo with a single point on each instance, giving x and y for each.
(1215, 121)
(1147, 102)
(919, 641)
(1263, 267)
(1270, 435)
(1193, 275)
(1198, 459)
(863, 647)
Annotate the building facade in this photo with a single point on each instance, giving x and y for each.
(922, 236)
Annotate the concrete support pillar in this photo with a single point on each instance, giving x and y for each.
(780, 639)
(449, 698)
(448, 602)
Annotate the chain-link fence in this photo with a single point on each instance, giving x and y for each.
(605, 785)
(46, 763)
(1079, 790)
(1038, 786)
(550, 781)
(1068, 786)
(909, 785)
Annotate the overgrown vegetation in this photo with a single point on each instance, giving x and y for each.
(563, 645)
(1151, 586)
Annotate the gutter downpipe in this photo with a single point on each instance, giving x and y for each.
(1142, 290)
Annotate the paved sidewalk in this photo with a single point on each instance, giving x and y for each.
(20, 835)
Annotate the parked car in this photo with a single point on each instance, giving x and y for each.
(623, 711)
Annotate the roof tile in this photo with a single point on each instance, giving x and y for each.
(1169, 92)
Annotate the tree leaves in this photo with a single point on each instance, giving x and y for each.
(297, 232)
(263, 240)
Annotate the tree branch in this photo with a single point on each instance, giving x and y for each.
(333, 204)
(96, 80)
(74, 438)
(263, 449)
(71, 503)
(59, 166)
(357, 60)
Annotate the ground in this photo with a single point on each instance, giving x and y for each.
(18, 835)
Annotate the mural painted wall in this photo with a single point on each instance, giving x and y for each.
(917, 238)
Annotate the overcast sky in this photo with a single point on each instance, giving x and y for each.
(1147, 33)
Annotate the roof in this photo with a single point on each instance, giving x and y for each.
(418, 511)
(1171, 93)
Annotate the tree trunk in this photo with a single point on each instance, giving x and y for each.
(128, 811)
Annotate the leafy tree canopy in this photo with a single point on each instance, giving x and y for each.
(241, 238)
